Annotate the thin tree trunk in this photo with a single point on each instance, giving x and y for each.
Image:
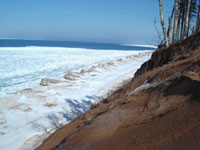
(189, 27)
(182, 25)
(163, 24)
(187, 20)
(174, 39)
(169, 32)
(182, 20)
(198, 19)
(178, 29)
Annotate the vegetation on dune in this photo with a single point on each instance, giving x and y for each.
(185, 19)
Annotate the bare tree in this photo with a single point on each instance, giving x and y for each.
(174, 39)
(182, 10)
(187, 20)
(169, 31)
(163, 24)
(198, 19)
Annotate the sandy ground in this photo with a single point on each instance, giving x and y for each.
(158, 109)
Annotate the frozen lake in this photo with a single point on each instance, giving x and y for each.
(29, 116)
(24, 67)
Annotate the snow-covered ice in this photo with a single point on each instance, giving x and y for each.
(31, 115)
(24, 67)
(152, 46)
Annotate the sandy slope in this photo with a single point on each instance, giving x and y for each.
(158, 109)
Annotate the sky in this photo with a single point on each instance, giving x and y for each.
(105, 21)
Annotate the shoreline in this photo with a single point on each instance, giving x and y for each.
(157, 109)
(48, 99)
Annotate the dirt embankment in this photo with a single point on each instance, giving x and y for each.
(158, 109)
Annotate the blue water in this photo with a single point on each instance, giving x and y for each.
(69, 44)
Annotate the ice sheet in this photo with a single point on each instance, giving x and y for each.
(23, 67)
(31, 115)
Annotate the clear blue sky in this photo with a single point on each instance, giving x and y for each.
(113, 21)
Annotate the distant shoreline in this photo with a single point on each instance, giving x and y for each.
(72, 44)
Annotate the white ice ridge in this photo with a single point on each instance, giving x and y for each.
(152, 46)
(31, 115)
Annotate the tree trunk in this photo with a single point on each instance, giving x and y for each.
(169, 32)
(163, 24)
(187, 20)
(182, 25)
(198, 19)
(174, 39)
(178, 29)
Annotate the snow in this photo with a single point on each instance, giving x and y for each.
(152, 46)
(29, 116)
(144, 86)
(26, 66)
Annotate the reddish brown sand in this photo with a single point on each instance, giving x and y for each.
(162, 116)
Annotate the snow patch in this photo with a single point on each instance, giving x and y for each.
(144, 86)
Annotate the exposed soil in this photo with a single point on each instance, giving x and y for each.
(158, 109)
(174, 53)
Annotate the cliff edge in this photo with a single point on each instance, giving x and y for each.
(158, 109)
